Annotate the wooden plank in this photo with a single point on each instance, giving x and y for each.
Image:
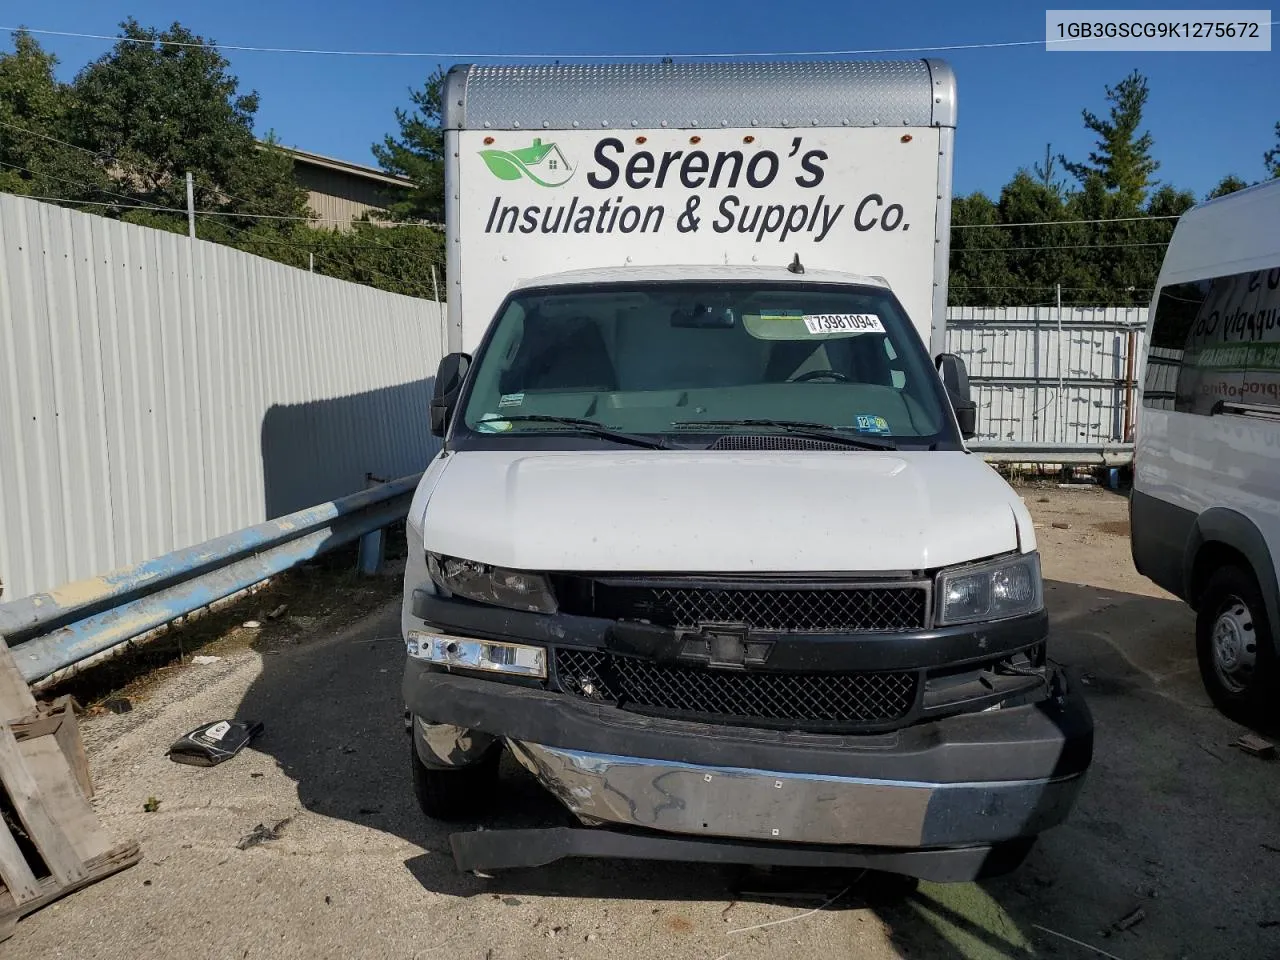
(41, 725)
(14, 869)
(16, 701)
(114, 860)
(71, 743)
(61, 796)
(56, 850)
(59, 719)
(73, 746)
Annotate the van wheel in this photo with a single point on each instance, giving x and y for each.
(1235, 647)
(459, 794)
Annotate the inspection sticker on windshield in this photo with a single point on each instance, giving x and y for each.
(869, 423)
(843, 323)
(511, 400)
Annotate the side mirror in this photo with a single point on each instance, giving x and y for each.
(449, 376)
(955, 380)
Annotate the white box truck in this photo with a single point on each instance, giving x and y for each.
(704, 549)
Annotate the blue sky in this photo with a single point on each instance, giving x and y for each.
(1210, 113)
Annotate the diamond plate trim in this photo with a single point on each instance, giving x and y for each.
(700, 95)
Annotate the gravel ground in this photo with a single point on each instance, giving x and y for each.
(1172, 822)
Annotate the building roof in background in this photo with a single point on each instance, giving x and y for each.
(345, 166)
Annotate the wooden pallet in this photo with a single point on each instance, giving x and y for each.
(50, 839)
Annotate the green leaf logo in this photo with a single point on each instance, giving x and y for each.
(501, 164)
(543, 163)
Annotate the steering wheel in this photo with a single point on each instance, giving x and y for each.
(820, 375)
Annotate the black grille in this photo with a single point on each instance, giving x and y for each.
(732, 441)
(818, 701)
(841, 609)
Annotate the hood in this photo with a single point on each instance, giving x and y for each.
(720, 512)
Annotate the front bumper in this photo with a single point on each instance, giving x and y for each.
(971, 780)
(745, 804)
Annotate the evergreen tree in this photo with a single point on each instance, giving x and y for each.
(1122, 158)
(418, 153)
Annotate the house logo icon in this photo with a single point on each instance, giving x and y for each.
(543, 163)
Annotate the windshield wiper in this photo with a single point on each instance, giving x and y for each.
(802, 428)
(593, 427)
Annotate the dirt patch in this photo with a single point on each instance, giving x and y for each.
(1116, 528)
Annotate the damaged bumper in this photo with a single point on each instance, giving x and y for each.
(745, 804)
(947, 799)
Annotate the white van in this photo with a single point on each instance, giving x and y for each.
(704, 549)
(1205, 507)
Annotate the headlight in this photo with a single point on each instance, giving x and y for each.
(489, 584)
(990, 591)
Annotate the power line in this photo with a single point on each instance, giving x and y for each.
(45, 136)
(1064, 223)
(1066, 246)
(205, 215)
(92, 188)
(245, 48)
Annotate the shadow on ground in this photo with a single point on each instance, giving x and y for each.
(1172, 821)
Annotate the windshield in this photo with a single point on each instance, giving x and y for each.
(678, 360)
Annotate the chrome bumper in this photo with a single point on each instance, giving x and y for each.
(788, 807)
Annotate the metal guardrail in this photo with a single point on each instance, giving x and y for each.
(50, 631)
(1104, 455)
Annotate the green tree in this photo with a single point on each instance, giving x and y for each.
(33, 119)
(163, 103)
(418, 153)
(1228, 184)
(979, 264)
(1122, 157)
(1272, 158)
(1046, 173)
(1040, 256)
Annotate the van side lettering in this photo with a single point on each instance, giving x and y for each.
(753, 177)
(721, 159)
(583, 223)
(862, 226)
(641, 163)
(604, 183)
(547, 225)
(668, 158)
(810, 163)
(493, 212)
(695, 164)
(727, 206)
(530, 220)
(604, 210)
(502, 218)
(829, 218)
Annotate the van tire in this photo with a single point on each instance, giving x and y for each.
(1235, 646)
(455, 795)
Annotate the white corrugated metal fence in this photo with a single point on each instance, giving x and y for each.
(1046, 377)
(157, 392)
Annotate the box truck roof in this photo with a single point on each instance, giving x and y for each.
(849, 93)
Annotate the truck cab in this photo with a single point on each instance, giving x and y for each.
(705, 552)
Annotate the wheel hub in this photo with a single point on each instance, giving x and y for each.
(1234, 645)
